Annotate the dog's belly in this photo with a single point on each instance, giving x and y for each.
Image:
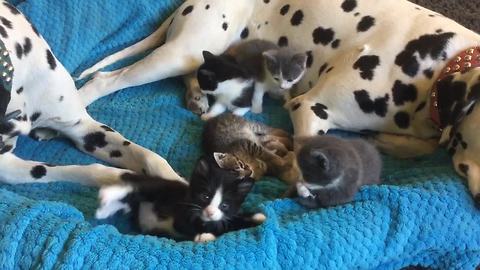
(367, 54)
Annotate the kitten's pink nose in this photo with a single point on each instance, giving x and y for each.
(210, 211)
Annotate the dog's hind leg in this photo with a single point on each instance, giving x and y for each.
(151, 41)
(402, 146)
(108, 145)
(188, 36)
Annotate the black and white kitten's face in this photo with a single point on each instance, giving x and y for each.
(284, 67)
(217, 193)
(219, 73)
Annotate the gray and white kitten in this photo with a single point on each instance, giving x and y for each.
(249, 148)
(275, 69)
(334, 169)
(240, 77)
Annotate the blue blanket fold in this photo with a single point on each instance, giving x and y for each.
(423, 214)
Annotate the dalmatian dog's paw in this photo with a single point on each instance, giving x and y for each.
(110, 200)
(204, 238)
(198, 105)
(43, 134)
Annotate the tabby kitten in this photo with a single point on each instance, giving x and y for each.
(249, 148)
(201, 211)
(334, 169)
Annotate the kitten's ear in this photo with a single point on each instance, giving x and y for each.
(202, 167)
(300, 59)
(321, 158)
(207, 55)
(245, 185)
(231, 162)
(270, 56)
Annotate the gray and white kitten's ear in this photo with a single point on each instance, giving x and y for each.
(321, 158)
(300, 59)
(270, 56)
(207, 55)
(231, 162)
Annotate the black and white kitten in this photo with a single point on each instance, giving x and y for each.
(334, 169)
(250, 148)
(240, 77)
(206, 208)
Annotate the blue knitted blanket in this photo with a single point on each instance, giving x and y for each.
(421, 215)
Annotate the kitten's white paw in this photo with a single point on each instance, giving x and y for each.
(303, 191)
(204, 237)
(206, 117)
(259, 218)
(112, 193)
(257, 109)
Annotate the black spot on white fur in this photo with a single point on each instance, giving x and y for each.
(309, 59)
(126, 143)
(365, 23)
(38, 172)
(19, 90)
(225, 26)
(244, 33)
(297, 18)
(115, 154)
(349, 5)
(428, 73)
(93, 141)
(323, 35)
(107, 128)
(18, 50)
(7, 23)
(322, 69)
(13, 10)
(3, 32)
(295, 106)
(7, 148)
(283, 41)
(421, 106)
(51, 60)
(403, 93)
(367, 64)
(379, 106)
(463, 168)
(284, 10)
(329, 69)
(402, 120)
(34, 117)
(336, 43)
(426, 45)
(187, 10)
(320, 110)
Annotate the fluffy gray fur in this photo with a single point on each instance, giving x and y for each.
(334, 169)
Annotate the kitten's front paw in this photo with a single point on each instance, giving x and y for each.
(204, 237)
(206, 116)
(259, 218)
(303, 191)
(110, 200)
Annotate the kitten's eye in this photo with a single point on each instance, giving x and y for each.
(224, 206)
(290, 80)
(205, 197)
(276, 78)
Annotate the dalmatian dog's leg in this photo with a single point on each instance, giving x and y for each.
(104, 143)
(182, 51)
(14, 170)
(402, 146)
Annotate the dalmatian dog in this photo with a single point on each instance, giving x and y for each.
(372, 66)
(39, 95)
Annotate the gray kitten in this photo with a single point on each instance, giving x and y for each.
(334, 169)
(249, 148)
(275, 69)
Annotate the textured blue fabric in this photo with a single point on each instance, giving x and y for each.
(422, 214)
